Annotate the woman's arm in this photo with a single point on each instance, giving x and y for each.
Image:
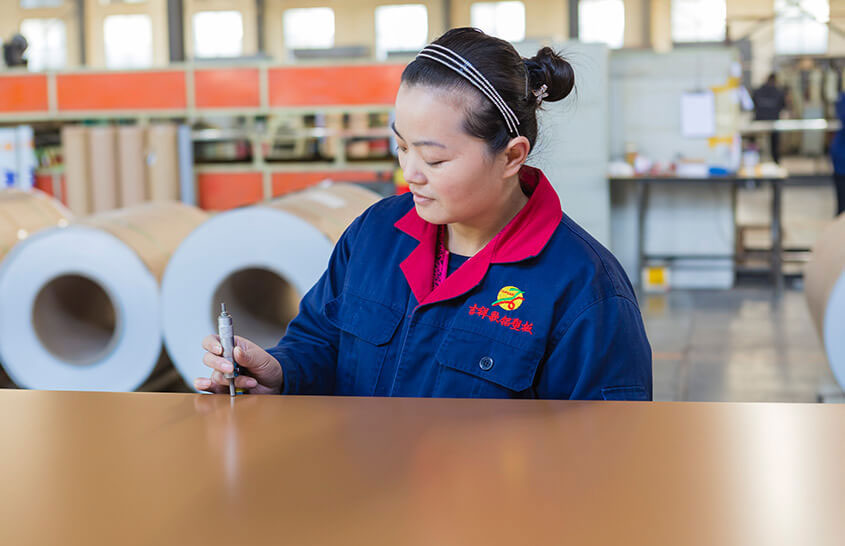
(308, 351)
(603, 354)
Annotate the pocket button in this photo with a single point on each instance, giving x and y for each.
(485, 363)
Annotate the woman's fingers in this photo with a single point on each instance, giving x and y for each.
(218, 379)
(260, 372)
(211, 344)
(244, 382)
(207, 385)
(219, 384)
(250, 355)
(217, 363)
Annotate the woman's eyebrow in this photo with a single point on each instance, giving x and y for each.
(419, 142)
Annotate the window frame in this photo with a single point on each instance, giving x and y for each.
(387, 52)
(194, 41)
(621, 3)
(292, 48)
(492, 3)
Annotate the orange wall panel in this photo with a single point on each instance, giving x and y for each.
(289, 182)
(223, 191)
(24, 93)
(333, 85)
(121, 91)
(227, 88)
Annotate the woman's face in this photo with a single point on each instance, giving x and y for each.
(452, 175)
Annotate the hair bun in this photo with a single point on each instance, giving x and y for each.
(549, 68)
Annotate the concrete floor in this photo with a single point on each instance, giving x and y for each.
(741, 345)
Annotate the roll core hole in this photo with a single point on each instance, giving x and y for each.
(75, 320)
(261, 304)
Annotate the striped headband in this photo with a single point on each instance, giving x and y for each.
(452, 60)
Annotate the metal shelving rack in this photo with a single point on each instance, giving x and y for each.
(189, 93)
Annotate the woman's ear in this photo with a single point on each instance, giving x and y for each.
(515, 155)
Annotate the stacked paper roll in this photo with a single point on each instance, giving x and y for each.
(23, 213)
(259, 260)
(163, 162)
(102, 162)
(81, 307)
(132, 172)
(107, 167)
(824, 281)
(77, 177)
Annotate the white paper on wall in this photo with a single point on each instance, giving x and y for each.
(698, 114)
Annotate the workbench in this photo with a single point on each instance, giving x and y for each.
(777, 182)
(133, 468)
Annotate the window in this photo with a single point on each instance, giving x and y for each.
(699, 20)
(505, 20)
(801, 26)
(602, 21)
(34, 4)
(400, 28)
(309, 28)
(47, 39)
(128, 41)
(218, 34)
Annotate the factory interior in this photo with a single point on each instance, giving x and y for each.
(188, 109)
(161, 157)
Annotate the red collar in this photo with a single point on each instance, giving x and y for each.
(524, 237)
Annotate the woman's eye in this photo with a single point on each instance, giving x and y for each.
(433, 163)
(401, 149)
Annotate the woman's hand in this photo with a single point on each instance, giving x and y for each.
(260, 372)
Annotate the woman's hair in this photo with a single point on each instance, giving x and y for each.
(516, 79)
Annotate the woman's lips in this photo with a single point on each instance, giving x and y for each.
(421, 200)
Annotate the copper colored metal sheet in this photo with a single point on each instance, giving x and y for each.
(100, 468)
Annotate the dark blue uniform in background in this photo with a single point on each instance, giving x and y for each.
(543, 311)
(837, 154)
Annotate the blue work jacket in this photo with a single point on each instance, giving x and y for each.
(542, 311)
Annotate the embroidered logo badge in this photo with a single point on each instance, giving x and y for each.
(514, 324)
(509, 298)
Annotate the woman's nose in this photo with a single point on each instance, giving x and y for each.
(412, 172)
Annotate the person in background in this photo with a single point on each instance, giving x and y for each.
(837, 154)
(13, 51)
(769, 100)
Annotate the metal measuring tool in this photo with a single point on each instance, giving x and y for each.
(227, 341)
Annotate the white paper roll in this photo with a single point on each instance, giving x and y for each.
(80, 312)
(824, 280)
(253, 241)
(834, 330)
(259, 260)
(81, 304)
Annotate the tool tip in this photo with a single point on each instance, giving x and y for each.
(232, 388)
(222, 307)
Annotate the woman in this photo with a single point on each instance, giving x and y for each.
(475, 284)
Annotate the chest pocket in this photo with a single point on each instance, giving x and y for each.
(366, 329)
(476, 366)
